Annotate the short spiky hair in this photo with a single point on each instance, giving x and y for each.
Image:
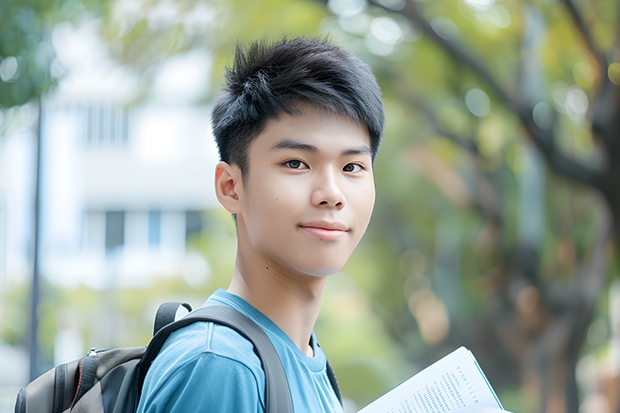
(267, 79)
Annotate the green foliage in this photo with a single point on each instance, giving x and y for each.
(26, 53)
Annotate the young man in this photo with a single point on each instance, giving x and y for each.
(297, 126)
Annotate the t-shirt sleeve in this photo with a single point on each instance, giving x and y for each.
(210, 383)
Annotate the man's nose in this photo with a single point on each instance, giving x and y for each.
(327, 191)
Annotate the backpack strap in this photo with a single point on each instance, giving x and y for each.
(60, 384)
(277, 392)
(87, 375)
(166, 314)
(332, 380)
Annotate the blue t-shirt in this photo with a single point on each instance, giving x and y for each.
(206, 367)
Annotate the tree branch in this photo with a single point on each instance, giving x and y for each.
(412, 12)
(409, 97)
(604, 99)
(586, 35)
(468, 145)
(564, 165)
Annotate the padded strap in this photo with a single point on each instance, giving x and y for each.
(87, 376)
(332, 380)
(277, 392)
(166, 314)
(60, 382)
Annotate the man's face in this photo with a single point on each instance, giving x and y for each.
(308, 194)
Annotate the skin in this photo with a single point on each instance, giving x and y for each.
(303, 208)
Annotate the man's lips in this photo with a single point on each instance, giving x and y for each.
(328, 231)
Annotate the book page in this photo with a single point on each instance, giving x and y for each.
(453, 383)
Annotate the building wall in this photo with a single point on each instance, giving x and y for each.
(121, 189)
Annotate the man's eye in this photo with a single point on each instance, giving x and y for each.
(294, 163)
(352, 167)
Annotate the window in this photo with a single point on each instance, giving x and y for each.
(105, 126)
(193, 223)
(154, 229)
(114, 230)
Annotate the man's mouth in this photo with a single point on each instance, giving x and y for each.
(328, 231)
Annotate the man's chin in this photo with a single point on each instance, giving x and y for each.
(323, 272)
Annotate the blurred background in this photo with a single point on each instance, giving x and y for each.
(498, 186)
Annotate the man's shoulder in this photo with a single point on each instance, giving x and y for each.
(202, 340)
(204, 366)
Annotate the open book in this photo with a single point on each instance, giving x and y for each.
(454, 383)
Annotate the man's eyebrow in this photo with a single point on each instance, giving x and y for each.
(293, 144)
(360, 150)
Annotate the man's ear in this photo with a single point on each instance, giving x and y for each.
(228, 185)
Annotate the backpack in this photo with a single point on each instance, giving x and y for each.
(110, 381)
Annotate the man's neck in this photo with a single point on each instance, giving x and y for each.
(292, 303)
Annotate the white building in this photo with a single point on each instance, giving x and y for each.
(122, 185)
(122, 189)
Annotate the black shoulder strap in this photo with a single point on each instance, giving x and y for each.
(332, 380)
(277, 392)
(166, 314)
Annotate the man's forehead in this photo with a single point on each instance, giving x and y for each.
(312, 120)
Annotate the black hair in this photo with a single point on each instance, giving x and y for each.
(267, 79)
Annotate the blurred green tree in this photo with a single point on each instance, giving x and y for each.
(515, 87)
(26, 54)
